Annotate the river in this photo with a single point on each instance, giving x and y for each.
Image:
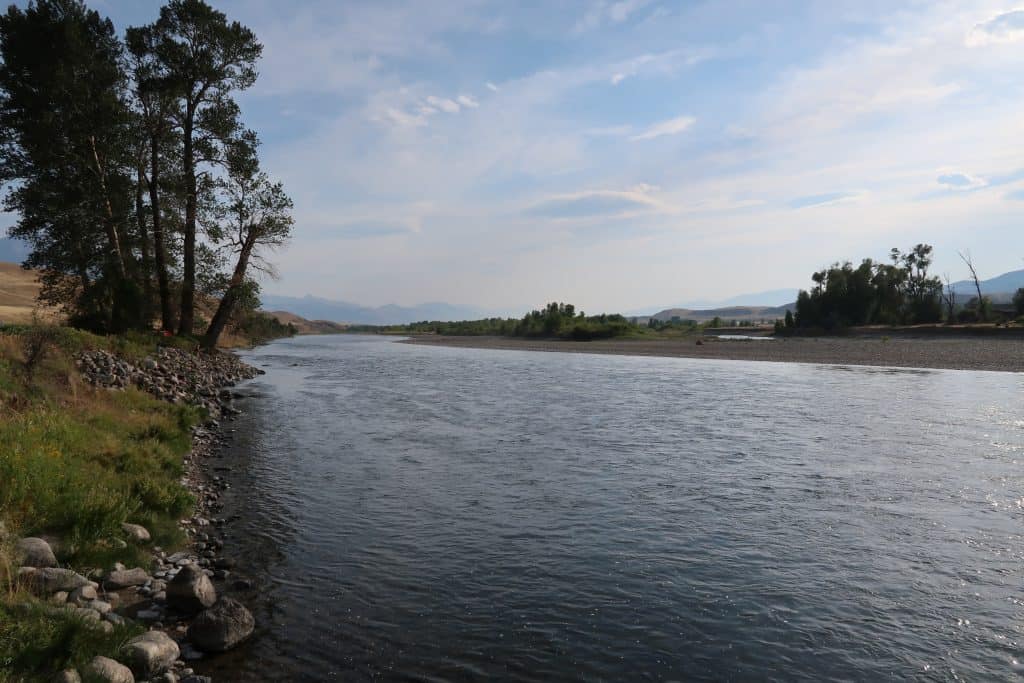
(427, 513)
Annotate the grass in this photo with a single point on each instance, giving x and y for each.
(77, 462)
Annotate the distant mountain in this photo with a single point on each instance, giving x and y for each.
(772, 298)
(752, 313)
(1000, 288)
(315, 308)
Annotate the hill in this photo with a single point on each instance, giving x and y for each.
(18, 291)
(999, 288)
(745, 313)
(307, 326)
(315, 308)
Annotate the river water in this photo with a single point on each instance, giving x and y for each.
(428, 513)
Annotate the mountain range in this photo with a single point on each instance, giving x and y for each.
(315, 308)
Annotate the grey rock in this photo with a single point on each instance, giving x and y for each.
(105, 626)
(49, 580)
(136, 533)
(59, 598)
(114, 618)
(67, 676)
(151, 654)
(197, 679)
(109, 671)
(190, 590)
(222, 627)
(100, 606)
(82, 595)
(125, 578)
(34, 552)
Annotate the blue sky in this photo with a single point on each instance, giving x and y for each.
(620, 154)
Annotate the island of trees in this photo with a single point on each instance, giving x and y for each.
(136, 183)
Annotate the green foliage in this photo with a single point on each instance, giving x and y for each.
(37, 641)
(258, 327)
(1018, 301)
(899, 292)
(555, 321)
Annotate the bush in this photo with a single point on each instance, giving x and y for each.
(1018, 301)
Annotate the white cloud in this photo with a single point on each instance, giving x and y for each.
(491, 86)
(604, 12)
(444, 104)
(1007, 27)
(600, 204)
(674, 126)
(468, 101)
(952, 179)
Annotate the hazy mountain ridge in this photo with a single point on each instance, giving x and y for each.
(316, 308)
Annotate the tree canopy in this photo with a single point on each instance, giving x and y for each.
(124, 161)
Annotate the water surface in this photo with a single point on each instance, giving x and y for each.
(429, 513)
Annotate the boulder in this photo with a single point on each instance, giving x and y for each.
(151, 654)
(49, 580)
(67, 676)
(82, 595)
(136, 533)
(109, 671)
(190, 590)
(222, 627)
(125, 578)
(34, 552)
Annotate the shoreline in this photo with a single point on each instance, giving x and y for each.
(933, 352)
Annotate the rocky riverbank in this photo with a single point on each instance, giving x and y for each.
(183, 598)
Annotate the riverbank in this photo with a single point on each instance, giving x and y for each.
(950, 352)
(110, 553)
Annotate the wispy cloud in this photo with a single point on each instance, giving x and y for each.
(605, 12)
(675, 126)
(599, 204)
(955, 180)
(1007, 27)
(825, 199)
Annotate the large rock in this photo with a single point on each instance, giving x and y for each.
(190, 590)
(34, 552)
(125, 578)
(67, 676)
(151, 654)
(136, 533)
(82, 596)
(222, 627)
(109, 671)
(49, 580)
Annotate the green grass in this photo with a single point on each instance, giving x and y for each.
(35, 642)
(77, 462)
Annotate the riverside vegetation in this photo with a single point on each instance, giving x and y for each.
(100, 491)
(140, 194)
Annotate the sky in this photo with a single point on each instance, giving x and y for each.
(623, 154)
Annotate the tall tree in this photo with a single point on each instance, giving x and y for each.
(65, 155)
(154, 102)
(202, 59)
(257, 217)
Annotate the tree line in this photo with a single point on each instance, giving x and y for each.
(556, 320)
(136, 184)
(900, 292)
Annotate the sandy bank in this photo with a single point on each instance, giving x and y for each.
(1004, 354)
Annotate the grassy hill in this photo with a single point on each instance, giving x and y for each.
(18, 291)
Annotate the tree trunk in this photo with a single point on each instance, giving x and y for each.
(140, 215)
(113, 238)
(187, 320)
(227, 302)
(159, 250)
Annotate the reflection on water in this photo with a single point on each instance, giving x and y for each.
(420, 512)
